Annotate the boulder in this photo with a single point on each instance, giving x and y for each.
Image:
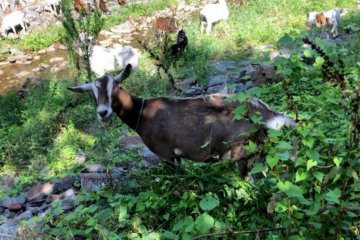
(37, 194)
(95, 181)
(7, 201)
(63, 184)
(8, 231)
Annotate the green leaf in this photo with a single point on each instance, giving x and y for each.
(285, 40)
(205, 144)
(319, 61)
(209, 203)
(290, 189)
(256, 118)
(309, 142)
(279, 208)
(272, 160)
(240, 111)
(308, 52)
(284, 146)
(319, 176)
(204, 222)
(123, 213)
(301, 175)
(310, 163)
(337, 161)
(169, 235)
(274, 133)
(251, 147)
(184, 225)
(258, 168)
(284, 156)
(333, 196)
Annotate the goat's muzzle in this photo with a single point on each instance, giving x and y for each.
(104, 112)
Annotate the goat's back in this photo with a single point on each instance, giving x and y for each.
(195, 128)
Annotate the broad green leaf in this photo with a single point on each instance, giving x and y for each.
(319, 61)
(301, 175)
(256, 118)
(209, 203)
(284, 156)
(284, 146)
(272, 160)
(274, 133)
(310, 163)
(251, 147)
(169, 235)
(205, 144)
(285, 40)
(184, 225)
(313, 209)
(308, 52)
(333, 196)
(337, 161)
(279, 208)
(258, 168)
(204, 222)
(239, 112)
(354, 175)
(309, 142)
(290, 189)
(123, 213)
(319, 176)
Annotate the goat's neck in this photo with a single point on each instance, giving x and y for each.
(127, 107)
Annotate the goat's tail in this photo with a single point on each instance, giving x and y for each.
(272, 119)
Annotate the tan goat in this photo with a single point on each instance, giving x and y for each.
(195, 128)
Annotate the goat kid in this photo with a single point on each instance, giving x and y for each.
(11, 22)
(213, 13)
(323, 19)
(180, 44)
(195, 128)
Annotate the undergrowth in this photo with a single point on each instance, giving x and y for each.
(307, 184)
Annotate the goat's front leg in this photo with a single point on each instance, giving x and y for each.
(202, 26)
(208, 27)
(334, 29)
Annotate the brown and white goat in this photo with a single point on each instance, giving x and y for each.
(195, 128)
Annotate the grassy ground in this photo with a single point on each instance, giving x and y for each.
(41, 135)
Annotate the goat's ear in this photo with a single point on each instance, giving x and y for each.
(123, 75)
(86, 87)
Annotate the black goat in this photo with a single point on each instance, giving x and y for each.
(180, 44)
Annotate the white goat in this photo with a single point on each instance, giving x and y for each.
(53, 6)
(104, 60)
(11, 21)
(322, 19)
(213, 13)
(4, 5)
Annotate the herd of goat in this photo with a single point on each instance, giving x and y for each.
(200, 128)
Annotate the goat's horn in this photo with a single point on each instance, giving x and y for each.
(85, 87)
(123, 75)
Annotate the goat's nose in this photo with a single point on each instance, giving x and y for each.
(103, 113)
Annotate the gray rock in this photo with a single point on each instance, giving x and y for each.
(24, 216)
(150, 157)
(7, 180)
(130, 141)
(95, 167)
(56, 59)
(37, 194)
(67, 204)
(5, 202)
(8, 231)
(63, 184)
(80, 158)
(70, 193)
(217, 83)
(95, 181)
(126, 27)
(223, 66)
(23, 74)
(51, 48)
